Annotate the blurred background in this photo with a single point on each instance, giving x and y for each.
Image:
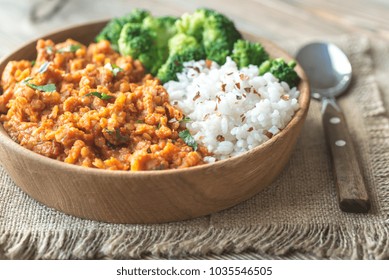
(24, 20)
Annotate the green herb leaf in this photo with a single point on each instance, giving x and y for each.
(188, 139)
(44, 67)
(109, 131)
(116, 69)
(26, 80)
(112, 146)
(102, 96)
(71, 48)
(33, 63)
(105, 96)
(185, 119)
(120, 137)
(45, 88)
(139, 121)
(49, 50)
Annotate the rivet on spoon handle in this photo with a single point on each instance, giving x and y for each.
(353, 196)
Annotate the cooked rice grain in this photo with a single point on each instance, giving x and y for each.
(231, 110)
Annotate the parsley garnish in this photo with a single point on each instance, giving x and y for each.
(26, 80)
(188, 139)
(185, 119)
(44, 67)
(109, 131)
(71, 48)
(49, 50)
(45, 88)
(115, 71)
(102, 96)
(114, 68)
(139, 121)
(119, 137)
(109, 144)
(33, 63)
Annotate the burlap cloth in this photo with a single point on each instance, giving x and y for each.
(296, 217)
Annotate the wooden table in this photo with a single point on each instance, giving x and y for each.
(273, 19)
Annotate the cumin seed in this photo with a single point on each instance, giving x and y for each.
(285, 97)
(268, 134)
(197, 96)
(220, 138)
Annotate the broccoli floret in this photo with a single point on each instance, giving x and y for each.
(137, 16)
(192, 24)
(215, 31)
(134, 40)
(163, 28)
(203, 34)
(217, 52)
(219, 36)
(281, 70)
(139, 43)
(111, 31)
(209, 28)
(182, 48)
(180, 42)
(146, 38)
(246, 53)
(175, 63)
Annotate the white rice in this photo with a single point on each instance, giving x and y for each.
(231, 110)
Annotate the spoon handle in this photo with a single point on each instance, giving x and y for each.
(352, 193)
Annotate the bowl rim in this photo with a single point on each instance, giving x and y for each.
(303, 101)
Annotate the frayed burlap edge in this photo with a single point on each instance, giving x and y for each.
(324, 241)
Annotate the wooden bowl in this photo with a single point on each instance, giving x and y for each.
(148, 196)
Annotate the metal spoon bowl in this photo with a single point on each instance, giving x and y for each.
(329, 72)
(333, 76)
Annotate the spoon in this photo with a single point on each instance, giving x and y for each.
(329, 73)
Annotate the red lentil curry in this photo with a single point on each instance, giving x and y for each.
(90, 106)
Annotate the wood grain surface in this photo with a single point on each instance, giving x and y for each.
(151, 196)
(276, 20)
(352, 193)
